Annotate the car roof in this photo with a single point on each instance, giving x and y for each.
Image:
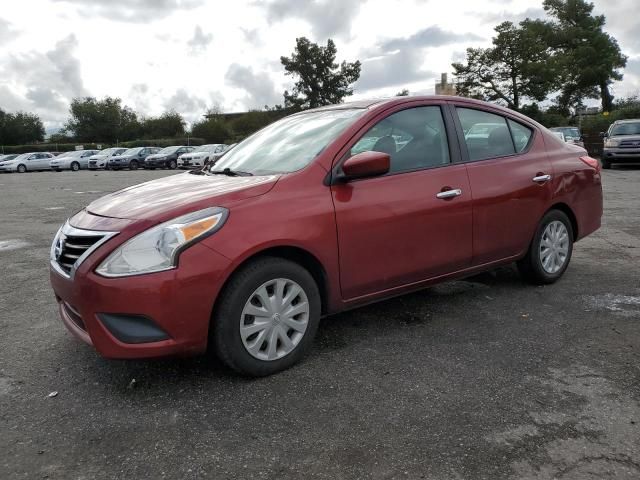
(629, 120)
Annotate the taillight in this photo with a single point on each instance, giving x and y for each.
(592, 162)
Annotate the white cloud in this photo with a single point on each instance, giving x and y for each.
(191, 54)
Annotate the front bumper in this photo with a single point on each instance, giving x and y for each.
(155, 163)
(621, 154)
(95, 164)
(175, 304)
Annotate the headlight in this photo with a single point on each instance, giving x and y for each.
(158, 248)
(610, 142)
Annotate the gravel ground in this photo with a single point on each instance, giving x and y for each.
(481, 379)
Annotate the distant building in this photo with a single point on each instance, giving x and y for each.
(444, 87)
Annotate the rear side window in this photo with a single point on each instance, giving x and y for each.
(521, 135)
(486, 134)
(414, 138)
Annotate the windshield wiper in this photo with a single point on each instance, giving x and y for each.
(230, 173)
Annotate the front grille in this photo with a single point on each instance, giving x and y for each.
(72, 247)
(630, 144)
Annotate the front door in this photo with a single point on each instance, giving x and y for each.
(413, 223)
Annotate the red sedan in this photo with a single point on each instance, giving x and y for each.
(319, 212)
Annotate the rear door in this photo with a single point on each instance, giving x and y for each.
(509, 173)
(413, 223)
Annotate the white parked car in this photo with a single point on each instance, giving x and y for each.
(99, 160)
(27, 162)
(72, 160)
(201, 155)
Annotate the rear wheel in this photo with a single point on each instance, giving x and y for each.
(550, 250)
(75, 166)
(173, 165)
(22, 168)
(133, 165)
(266, 317)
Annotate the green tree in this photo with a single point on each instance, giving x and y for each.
(320, 80)
(103, 120)
(20, 128)
(213, 129)
(169, 124)
(516, 66)
(588, 58)
(403, 93)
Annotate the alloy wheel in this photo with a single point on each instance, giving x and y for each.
(274, 319)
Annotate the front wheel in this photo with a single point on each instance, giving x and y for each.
(550, 250)
(75, 166)
(133, 165)
(266, 317)
(22, 168)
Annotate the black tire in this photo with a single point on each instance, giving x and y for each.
(173, 165)
(225, 330)
(133, 165)
(22, 168)
(530, 266)
(75, 166)
(606, 164)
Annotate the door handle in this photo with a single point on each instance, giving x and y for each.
(542, 178)
(456, 192)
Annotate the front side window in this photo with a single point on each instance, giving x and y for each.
(415, 138)
(485, 134)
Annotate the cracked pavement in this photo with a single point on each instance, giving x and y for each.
(487, 378)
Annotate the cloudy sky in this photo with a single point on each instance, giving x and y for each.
(189, 55)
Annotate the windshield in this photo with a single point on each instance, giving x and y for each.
(205, 148)
(75, 153)
(131, 151)
(288, 144)
(107, 151)
(168, 150)
(626, 129)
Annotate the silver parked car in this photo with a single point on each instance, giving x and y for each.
(6, 158)
(201, 155)
(27, 162)
(72, 160)
(570, 135)
(621, 143)
(100, 159)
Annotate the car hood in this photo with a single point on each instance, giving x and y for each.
(169, 197)
(156, 156)
(621, 138)
(98, 157)
(196, 154)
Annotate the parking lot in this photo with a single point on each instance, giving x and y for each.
(487, 378)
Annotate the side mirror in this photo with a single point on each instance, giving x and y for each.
(366, 164)
(604, 134)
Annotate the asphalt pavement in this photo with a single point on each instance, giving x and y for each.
(488, 378)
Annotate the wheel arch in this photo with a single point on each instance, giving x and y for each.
(566, 209)
(295, 254)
